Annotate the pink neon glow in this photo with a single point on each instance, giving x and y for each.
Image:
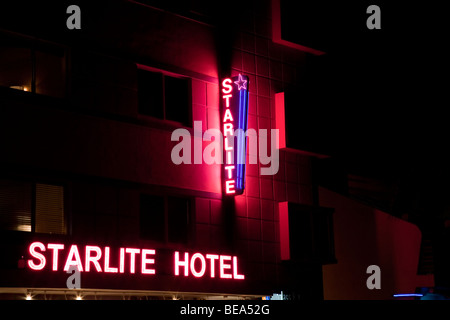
(132, 253)
(228, 129)
(227, 100)
(229, 159)
(226, 84)
(73, 253)
(224, 266)
(280, 123)
(235, 270)
(283, 212)
(55, 247)
(212, 258)
(227, 147)
(203, 265)
(179, 263)
(107, 258)
(93, 259)
(229, 168)
(37, 255)
(146, 261)
(197, 264)
(227, 116)
(229, 186)
(241, 83)
(122, 260)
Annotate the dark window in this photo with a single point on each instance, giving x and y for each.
(164, 97)
(150, 94)
(32, 67)
(178, 219)
(152, 215)
(177, 99)
(311, 236)
(165, 218)
(32, 207)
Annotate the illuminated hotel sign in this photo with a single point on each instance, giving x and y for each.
(235, 107)
(58, 257)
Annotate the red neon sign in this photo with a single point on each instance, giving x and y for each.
(224, 263)
(98, 259)
(235, 99)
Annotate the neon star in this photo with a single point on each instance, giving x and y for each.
(242, 84)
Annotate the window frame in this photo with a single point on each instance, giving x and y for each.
(276, 32)
(165, 121)
(33, 183)
(34, 44)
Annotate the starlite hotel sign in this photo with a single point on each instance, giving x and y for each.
(235, 117)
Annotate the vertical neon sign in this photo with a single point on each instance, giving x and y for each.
(235, 118)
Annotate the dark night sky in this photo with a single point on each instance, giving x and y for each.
(378, 94)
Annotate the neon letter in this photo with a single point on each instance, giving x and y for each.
(212, 257)
(229, 158)
(227, 116)
(70, 262)
(227, 100)
(235, 270)
(203, 268)
(227, 147)
(122, 260)
(227, 127)
(132, 253)
(107, 267)
(55, 248)
(89, 259)
(146, 261)
(229, 186)
(226, 83)
(37, 255)
(224, 266)
(229, 168)
(179, 263)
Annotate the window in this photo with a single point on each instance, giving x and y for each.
(32, 67)
(32, 207)
(297, 26)
(165, 218)
(164, 97)
(306, 233)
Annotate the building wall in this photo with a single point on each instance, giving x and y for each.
(365, 236)
(107, 154)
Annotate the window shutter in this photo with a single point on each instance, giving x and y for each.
(50, 209)
(15, 205)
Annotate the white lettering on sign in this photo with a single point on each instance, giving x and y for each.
(198, 264)
(129, 260)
